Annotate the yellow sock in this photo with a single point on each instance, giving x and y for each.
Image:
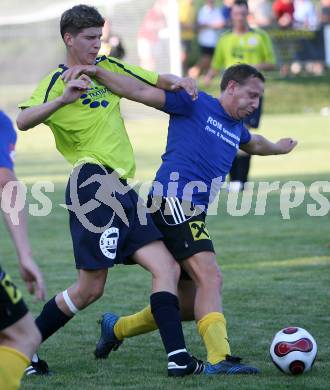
(135, 324)
(212, 328)
(12, 366)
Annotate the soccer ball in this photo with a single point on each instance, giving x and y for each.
(293, 350)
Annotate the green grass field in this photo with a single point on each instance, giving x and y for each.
(276, 272)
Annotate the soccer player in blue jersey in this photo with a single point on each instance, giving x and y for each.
(19, 336)
(203, 138)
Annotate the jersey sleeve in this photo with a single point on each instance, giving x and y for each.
(7, 142)
(48, 89)
(245, 136)
(114, 65)
(179, 103)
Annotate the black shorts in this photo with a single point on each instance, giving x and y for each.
(207, 50)
(182, 225)
(108, 221)
(12, 305)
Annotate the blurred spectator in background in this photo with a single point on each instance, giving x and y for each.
(305, 16)
(111, 44)
(261, 14)
(187, 17)
(209, 24)
(283, 11)
(325, 12)
(242, 45)
(308, 57)
(153, 28)
(226, 11)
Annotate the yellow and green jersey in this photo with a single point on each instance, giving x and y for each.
(187, 16)
(253, 47)
(91, 128)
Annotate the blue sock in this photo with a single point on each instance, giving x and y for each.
(165, 309)
(51, 319)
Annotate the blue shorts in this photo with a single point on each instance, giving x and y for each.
(7, 142)
(105, 218)
(253, 120)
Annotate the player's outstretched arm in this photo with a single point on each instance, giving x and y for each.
(168, 82)
(121, 85)
(29, 270)
(131, 88)
(33, 116)
(263, 147)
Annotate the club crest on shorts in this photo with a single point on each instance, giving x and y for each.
(109, 242)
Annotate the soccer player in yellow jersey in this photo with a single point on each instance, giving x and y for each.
(242, 45)
(89, 131)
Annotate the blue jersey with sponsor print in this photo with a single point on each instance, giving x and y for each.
(7, 142)
(202, 143)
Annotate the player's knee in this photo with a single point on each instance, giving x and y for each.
(208, 275)
(95, 293)
(211, 276)
(173, 271)
(166, 268)
(86, 296)
(25, 335)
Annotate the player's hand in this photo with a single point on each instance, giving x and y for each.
(188, 84)
(33, 278)
(75, 88)
(285, 145)
(76, 71)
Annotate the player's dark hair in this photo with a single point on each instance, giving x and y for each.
(241, 2)
(79, 17)
(239, 73)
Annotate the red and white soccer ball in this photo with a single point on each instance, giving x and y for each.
(293, 350)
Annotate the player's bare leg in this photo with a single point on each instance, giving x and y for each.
(164, 308)
(18, 342)
(86, 290)
(205, 273)
(165, 271)
(23, 336)
(59, 310)
(186, 294)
